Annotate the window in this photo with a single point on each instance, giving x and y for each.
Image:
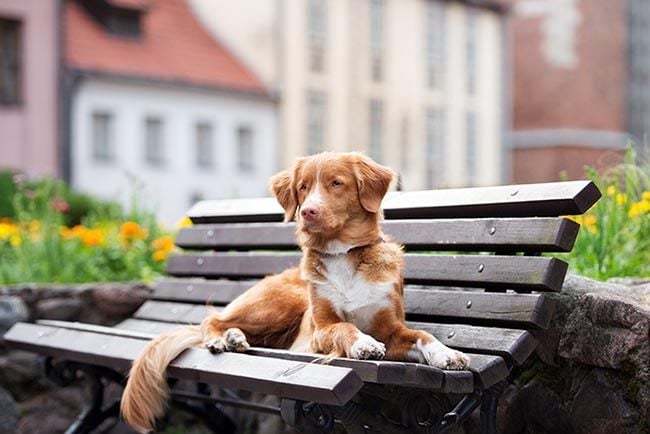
(317, 28)
(102, 137)
(204, 145)
(245, 148)
(375, 145)
(376, 39)
(10, 62)
(435, 43)
(154, 146)
(316, 112)
(471, 148)
(434, 141)
(470, 50)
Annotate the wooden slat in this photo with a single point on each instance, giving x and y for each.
(532, 234)
(512, 344)
(487, 370)
(492, 272)
(525, 310)
(198, 290)
(297, 380)
(527, 200)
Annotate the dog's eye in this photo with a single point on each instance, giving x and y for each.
(336, 183)
(303, 187)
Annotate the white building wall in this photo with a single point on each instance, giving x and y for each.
(169, 189)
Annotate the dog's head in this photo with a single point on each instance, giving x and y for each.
(331, 194)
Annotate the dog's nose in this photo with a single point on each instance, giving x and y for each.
(309, 212)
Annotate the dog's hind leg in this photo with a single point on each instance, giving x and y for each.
(268, 314)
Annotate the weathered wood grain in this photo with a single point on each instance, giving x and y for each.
(297, 380)
(526, 200)
(516, 235)
(493, 272)
(520, 310)
(486, 369)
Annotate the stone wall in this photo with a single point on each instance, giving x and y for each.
(591, 371)
(42, 407)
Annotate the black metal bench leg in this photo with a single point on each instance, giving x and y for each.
(489, 404)
(92, 415)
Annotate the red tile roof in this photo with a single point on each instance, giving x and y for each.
(173, 46)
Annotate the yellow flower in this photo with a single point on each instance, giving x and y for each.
(645, 196)
(621, 198)
(589, 222)
(7, 229)
(79, 231)
(132, 230)
(15, 240)
(165, 243)
(639, 208)
(92, 237)
(611, 190)
(185, 222)
(160, 255)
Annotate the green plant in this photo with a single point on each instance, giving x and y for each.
(37, 246)
(615, 238)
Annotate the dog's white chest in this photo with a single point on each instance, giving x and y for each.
(353, 298)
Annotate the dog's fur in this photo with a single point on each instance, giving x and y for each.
(344, 300)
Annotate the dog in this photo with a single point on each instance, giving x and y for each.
(344, 300)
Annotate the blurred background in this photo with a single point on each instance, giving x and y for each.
(180, 100)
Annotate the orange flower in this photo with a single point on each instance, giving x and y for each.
(160, 255)
(165, 243)
(92, 237)
(132, 230)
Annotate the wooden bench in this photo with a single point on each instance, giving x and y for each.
(484, 301)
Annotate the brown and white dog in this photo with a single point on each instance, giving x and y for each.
(344, 300)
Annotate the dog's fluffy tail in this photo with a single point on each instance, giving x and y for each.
(146, 392)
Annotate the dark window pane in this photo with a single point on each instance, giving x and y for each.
(10, 62)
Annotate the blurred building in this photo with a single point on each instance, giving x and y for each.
(416, 84)
(118, 96)
(29, 73)
(581, 84)
(157, 101)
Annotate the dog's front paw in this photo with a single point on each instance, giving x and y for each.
(236, 340)
(233, 340)
(367, 347)
(443, 357)
(216, 345)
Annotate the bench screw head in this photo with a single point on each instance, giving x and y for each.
(492, 230)
(210, 233)
(451, 335)
(481, 267)
(190, 288)
(199, 261)
(469, 304)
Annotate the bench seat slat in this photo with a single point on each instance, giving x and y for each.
(537, 234)
(527, 310)
(298, 380)
(526, 200)
(492, 272)
(486, 370)
(512, 344)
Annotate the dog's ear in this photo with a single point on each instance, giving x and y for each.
(373, 181)
(283, 188)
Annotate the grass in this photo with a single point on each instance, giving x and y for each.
(109, 245)
(615, 236)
